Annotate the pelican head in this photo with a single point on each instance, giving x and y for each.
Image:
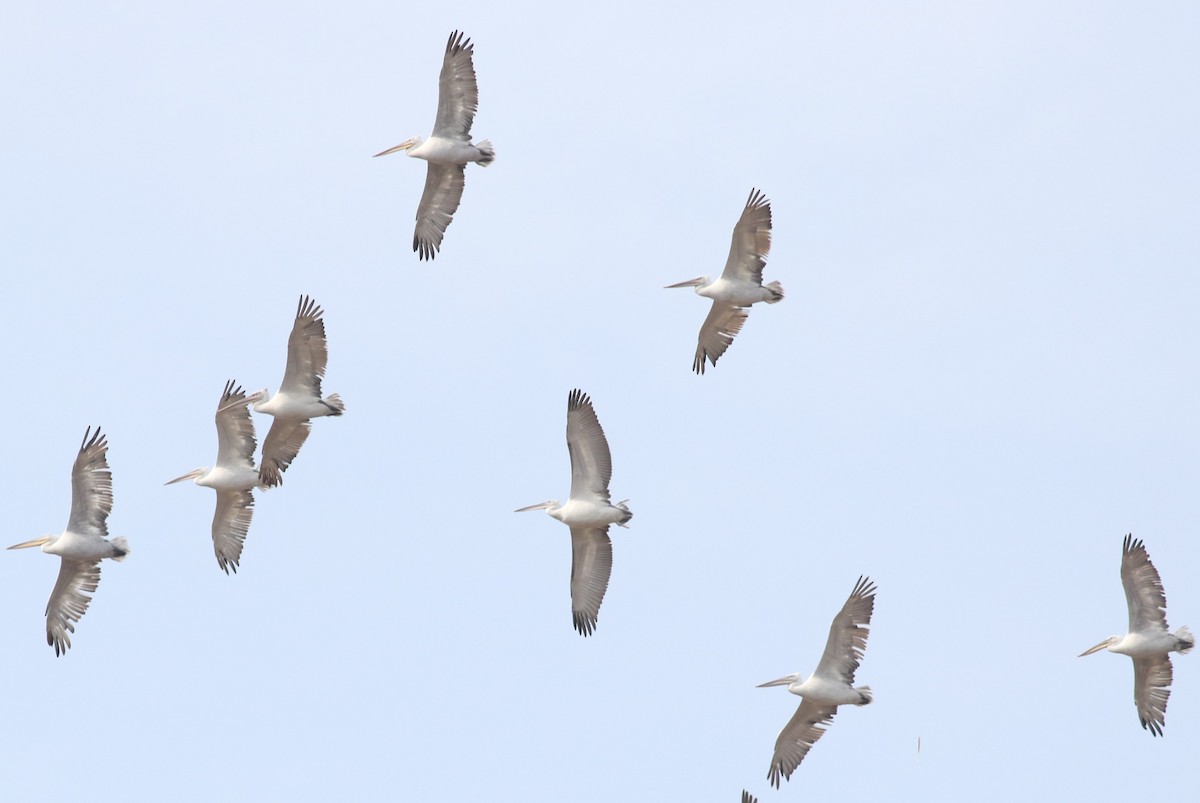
(698, 282)
(43, 542)
(1108, 642)
(786, 680)
(549, 506)
(407, 144)
(194, 474)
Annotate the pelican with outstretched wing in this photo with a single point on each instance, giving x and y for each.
(449, 147)
(831, 685)
(234, 477)
(83, 544)
(1149, 643)
(298, 399)
(588, 512)
(740, 284)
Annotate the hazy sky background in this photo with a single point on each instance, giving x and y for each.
(982, 376)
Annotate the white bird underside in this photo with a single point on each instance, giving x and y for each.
(1149, 641)
(299, 397)
(233, 477)
(740, 284)
(831, 685)
(449, 147)
(83, 544)
(588, 511)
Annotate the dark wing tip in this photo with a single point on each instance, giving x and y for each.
(757, 198)
(577, 399)
(458, 43)
(585, 625)
(308, 308)
(90, 440)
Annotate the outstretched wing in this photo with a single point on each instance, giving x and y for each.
(307, 351)
(806, 726)
(591, 565)
(848, 635)
(284, 439)
(443, 193)
(235, 429)
(458, 95)
(1143, 589)
(230, 525)
(69, 601)
(751, 241)
(91, 487)
(591, 461)
(723, 322)
(1151, 690)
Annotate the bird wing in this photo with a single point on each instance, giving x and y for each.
(230, 525)
(1143, 589)
(748, 798)
(591, 565)
(806, 726)
(591, 462)
(69, 600)
(458, 95)
(443, 193)
(307, 351)
(91, 487)
(235, 430)
(284, 439)
(848, 635)
(751, 241)
(723, 322)
(1151, 689)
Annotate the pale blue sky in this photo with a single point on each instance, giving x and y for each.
(981, 378)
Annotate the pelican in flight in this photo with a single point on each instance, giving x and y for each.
(588, 512)
(1148, 641)
(449, 147)
(831, 685)
(83, 544)
(299, 397)
(740, 284)
(233, 477)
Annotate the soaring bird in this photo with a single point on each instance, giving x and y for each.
(740, 284)
(299, 397)
(83, 544)
(588, 512)
(449, 147)
(1148, 641)
(233, 477)
(831, 685)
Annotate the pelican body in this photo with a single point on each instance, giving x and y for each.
(1149, 643)
(83, 544)
(830, 686)
(588, 511)
(449, 148)
(233, 477)
(299, 399)
(739, 286)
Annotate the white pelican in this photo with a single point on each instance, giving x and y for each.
(588, 511)
(299, 397)
(1148, 641)
(233, 477)
(83, 544)
(449, 147)
(740, 284)
(831, 685)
